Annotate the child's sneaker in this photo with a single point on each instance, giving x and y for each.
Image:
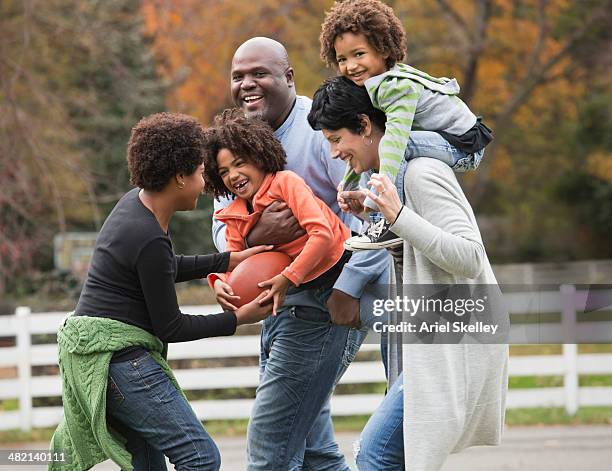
(377, 236)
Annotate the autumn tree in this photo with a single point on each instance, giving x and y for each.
(522, 64)
(527, 66)
(41, 170)
(76, 76)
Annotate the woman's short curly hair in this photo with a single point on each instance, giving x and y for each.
(372, 18)
(162, 145)
(248, 138)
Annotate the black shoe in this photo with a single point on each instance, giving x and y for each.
(377, 236)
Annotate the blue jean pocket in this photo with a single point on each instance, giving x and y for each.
(353, 344)
(310, 314)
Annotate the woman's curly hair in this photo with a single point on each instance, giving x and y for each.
(162, 145)
(373, 19)
(248, 138)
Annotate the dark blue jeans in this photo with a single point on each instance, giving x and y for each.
(144, 406)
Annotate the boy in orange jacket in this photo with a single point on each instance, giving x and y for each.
(244, 158)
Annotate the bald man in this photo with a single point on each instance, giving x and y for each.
(302, 352)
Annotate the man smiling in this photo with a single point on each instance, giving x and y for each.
(262, 81)
(302, 352)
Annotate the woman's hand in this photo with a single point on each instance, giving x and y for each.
(278, 288)
(225, 295)
(388, 200)
(253, 312)
(237, 257)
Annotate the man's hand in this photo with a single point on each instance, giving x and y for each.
(277, 226)
(344, 309)
(237, 257)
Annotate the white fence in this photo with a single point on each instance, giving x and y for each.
(25, 387)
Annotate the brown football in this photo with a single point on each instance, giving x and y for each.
(255, 269)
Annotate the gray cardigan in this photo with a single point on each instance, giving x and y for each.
(454, 394)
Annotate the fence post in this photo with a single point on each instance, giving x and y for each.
(570, 350)
(24, 369)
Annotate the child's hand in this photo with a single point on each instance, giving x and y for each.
(344, 207)
(225, 295)
(278, 288)
(237, 257)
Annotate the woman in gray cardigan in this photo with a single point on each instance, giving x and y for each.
(452, 394)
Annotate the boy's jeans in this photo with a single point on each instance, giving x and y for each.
(431, 144)
(144, 406)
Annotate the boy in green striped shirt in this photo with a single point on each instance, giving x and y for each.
(425, 117)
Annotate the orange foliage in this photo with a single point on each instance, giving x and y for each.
(599, 164)
(502, 168)
(196, 40)
(516, 61)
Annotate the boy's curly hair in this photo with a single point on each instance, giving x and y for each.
(162, 145)
(248, 138)
(373, 19)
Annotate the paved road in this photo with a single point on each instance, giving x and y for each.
(523, 449)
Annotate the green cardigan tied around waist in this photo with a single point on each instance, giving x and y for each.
(86, 345)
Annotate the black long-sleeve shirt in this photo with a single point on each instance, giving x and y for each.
(132, 275)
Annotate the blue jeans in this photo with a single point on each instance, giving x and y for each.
(378, 289)
(144, 406)
(321, 448)
(431, 144)
(321, 451)
(301, 353)
(381, 444)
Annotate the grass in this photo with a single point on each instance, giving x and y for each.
(514, 417)
(195, 294)
(18, 436)
(8, 405)
(558, 416)
(557, 349)
(530, 382)
(595, 380)
(527, 382)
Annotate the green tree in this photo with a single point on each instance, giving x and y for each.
(116, 84)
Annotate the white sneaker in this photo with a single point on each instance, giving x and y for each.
(377, 236)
